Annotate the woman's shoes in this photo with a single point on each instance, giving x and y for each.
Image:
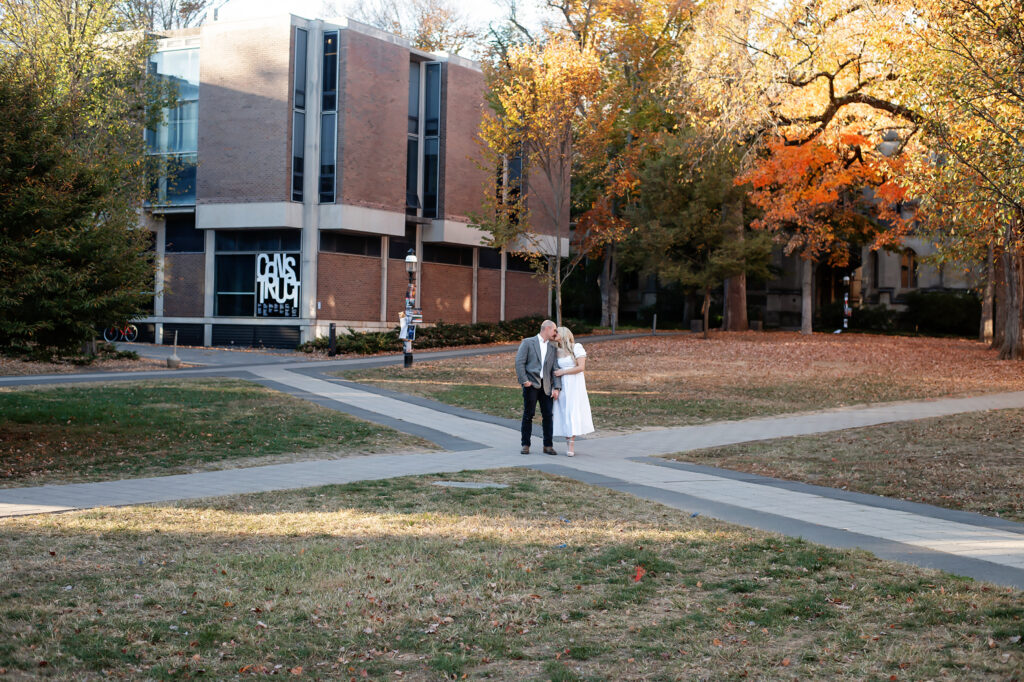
(570, 453)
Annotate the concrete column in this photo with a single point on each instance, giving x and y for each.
(476, 277)
(160, 229)
(385, 244)
(209, 284)
(310, 184)
(504, 264)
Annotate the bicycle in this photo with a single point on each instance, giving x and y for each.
(129, 332)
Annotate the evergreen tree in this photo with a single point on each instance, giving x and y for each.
(685, 235)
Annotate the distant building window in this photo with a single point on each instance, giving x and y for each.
(432, 105)
(258, 241)
(450, 255)
(414, 98)
(330, 72)
(398, 247)
(298, 153)
(490, 258)
(356, 244)
(875, 276)
(412, 190)
(172, 145)
(518, 263)
(431, 139)
(181, 235)
(328, 156)
(299, 114)
(908, 269)
(300, 68)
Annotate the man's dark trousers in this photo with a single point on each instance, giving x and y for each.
(531, 396)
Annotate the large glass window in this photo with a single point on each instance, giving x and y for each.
(300, 68)
(298, 153)
(330, 72)
(298, 114)
(181, 235)
(452, 255)
(490, 258)
(412, 159)
(172, 146)
(328, 154)
(235, 278)
(258, 240)
(430, 172)
(432, 108)
(257, 273)
(356, 244)
(414, 98)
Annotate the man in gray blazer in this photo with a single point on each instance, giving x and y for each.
(535, 370)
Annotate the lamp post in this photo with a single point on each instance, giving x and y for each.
(847, 310)
(409, 328)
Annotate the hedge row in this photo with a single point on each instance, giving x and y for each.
(947, 313)
(441, 335)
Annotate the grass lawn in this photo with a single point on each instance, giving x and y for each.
(973, 462)
(545, 579)
(678, 380)
(89, 432)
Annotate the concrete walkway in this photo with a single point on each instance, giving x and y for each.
(964, 543)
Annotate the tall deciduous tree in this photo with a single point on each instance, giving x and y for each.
(538, 96)
(75, 100)
(162, 15)
(432, 25)
(684, 235)
(969, 59)
(821, 76)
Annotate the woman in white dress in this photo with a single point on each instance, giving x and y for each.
(572, 409)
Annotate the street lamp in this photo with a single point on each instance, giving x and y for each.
(847, 310)
(408, 330)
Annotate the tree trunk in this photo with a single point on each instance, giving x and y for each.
(558, 283)
(609, 283)
(736, 286)
(706, 310)
(806, 290)
(999, 329)
(1012, 347)
(988, 297)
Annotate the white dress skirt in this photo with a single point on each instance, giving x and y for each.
(572, 409)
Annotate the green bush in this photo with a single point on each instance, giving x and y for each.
(440, 335)
(928, 312)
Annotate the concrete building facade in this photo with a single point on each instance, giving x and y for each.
(303, 162)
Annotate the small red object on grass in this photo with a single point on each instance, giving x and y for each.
(640, 572)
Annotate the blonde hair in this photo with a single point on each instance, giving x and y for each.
(566, 341)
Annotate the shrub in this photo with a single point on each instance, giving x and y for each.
(942, 312)
(440, 335)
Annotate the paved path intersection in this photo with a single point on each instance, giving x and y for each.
(960, 542)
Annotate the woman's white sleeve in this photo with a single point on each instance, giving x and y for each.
(578, 351)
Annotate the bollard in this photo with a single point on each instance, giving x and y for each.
(654, 325)
(332, 342)
(174, 362)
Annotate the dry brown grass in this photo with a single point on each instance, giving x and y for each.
(973, 462)
(677, 380)
(402, 579)
(16, 367)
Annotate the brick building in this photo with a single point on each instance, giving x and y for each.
(304, 160)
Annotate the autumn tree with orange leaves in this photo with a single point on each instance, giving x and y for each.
(822, 88)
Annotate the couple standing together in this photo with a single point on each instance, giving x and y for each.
(549, 367)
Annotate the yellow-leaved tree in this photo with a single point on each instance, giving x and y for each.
(537, 96)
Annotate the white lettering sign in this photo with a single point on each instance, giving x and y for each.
(277, 285)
